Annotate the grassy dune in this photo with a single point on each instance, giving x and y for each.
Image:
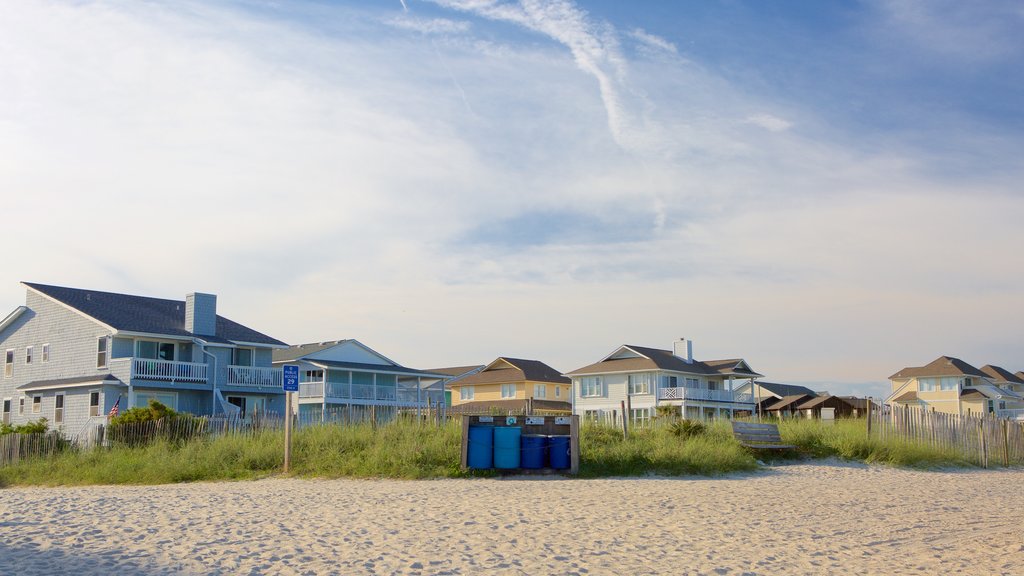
(408, 450)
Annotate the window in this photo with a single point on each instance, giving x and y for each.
(9, 364)
(641, 416)
(540, 391)
(21, 405)
(714, 385)
(241, 357)
(948, 383)
(558, 391)
(58, 408)
(37, 404)
(7, 411)
(101, 352)
(591, 386)
(640, 383)
(314, 376)
(94, 404)
(28, 354)
(968, 382)
(692, 383)
(926, 384)
(155, 350)
(669, 381)
(46, 353)
(508, 390)
(169, 399)
(466, 393)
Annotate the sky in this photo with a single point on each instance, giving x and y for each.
(829, 190)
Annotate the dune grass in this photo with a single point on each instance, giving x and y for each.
(848, 439)
(408, 450)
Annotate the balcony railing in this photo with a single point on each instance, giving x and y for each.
(1010, 414)
(362, 391)
(682, 393)
(167, 371)
(311, 389)
(253, 377)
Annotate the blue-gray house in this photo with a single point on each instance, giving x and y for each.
(71, 355)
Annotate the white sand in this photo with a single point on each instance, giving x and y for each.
(798, 519)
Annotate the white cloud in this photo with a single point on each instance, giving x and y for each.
(430, 25)
(769, 122)
(653, 41)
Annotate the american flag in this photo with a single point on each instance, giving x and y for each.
(113, 411)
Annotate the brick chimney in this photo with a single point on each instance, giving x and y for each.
(201, 313)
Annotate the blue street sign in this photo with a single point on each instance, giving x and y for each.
(290, 382)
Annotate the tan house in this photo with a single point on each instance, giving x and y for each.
(509, 383)
(953, 386)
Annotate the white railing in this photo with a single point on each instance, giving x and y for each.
(253, 377)
(165, 370)
(682, 393)
(338, 390)
(313, 389)
(1010, 414)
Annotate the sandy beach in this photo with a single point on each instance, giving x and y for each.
(796, 519)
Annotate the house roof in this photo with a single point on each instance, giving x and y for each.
(788, 402)
(94, 380)
(143, 314)
(657, 359)
(941, 366)
(504, 369)
(987, 391)
(999, 374)
(825, 400)
(781, 390)
(362, 367)
(297, 351)
(907, 397)
(456, 370)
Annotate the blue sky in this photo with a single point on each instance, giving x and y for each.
(830, 190)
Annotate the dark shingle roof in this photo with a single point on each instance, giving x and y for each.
(786, 389)
(1001, 374)
(148, 315)
(941, 366)
(70, 382)
(362, 367)
(789, 401)
(826, 400)
(520, 370)
(906, 397)
(657, 359)
(455, 370)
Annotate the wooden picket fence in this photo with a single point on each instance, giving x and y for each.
(17, 447)
(981, 440)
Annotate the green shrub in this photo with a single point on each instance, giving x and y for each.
(687, 428)
(38, 427)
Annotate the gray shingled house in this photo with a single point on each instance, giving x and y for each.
(71, 355)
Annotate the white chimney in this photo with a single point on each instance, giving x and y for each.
(683, 348)
(201, 313)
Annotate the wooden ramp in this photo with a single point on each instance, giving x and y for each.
(759, 436)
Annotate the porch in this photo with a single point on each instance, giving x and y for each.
(687, 393)
(167, 371)
(403, 392)
(253, 377)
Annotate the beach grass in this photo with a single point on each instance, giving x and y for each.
(410, 450)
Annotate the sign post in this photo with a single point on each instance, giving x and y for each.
(290, 383)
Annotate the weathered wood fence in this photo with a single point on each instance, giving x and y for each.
(981, 440)
(17, 447)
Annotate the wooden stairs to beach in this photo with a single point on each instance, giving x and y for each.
(759, 436)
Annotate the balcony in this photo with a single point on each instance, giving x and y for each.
(1010, 414)
(161, 370)
(311, 389)
(252, 377)
(682, 393)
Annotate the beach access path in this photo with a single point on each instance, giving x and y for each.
(829, 517)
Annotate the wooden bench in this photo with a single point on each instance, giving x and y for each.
(759, 436)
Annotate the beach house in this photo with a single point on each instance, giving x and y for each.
(769, 394)
(652, 377)
(344, 379)
(512, 384)
(71, 355)
(950, 385)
